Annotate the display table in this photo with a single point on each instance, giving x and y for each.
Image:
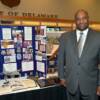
(48, 93)
(17, 85)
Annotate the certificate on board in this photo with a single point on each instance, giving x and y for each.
(40, 66)
(10, 67)
(28, 33)
(27, 66)
(6, 33)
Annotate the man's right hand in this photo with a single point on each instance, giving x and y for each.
(63, 82)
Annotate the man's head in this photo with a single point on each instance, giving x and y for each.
(81, 19)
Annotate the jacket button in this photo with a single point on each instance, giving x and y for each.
(77, 73)
(79, 63)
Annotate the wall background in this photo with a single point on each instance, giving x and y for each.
(65, 9)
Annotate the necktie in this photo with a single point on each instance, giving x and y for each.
(80, 41)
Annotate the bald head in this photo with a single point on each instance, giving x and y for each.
(81, 19)
(81, 11)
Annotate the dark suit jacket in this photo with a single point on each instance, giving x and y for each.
(81, 71)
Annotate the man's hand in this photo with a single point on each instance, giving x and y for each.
(98, 90)
(62, 82)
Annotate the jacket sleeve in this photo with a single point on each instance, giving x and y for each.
(61, 58)
(99, 70)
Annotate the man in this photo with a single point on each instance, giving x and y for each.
(78, 63)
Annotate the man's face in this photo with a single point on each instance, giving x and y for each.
(82, 20)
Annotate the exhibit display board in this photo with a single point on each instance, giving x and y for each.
(40, 50)
(22, 49)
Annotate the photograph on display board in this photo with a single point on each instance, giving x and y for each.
(7, 44)
(9, 59)
(27, 44)
(18, 56)
(9, 55)
(40, 30)
(41, 47)
(18, 50)
(27, 57)
(17, 36)
(8, 52)
(27, 50)
(43, 30)
(37, 30)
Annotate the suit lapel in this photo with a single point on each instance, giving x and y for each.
(87, 42)
(73, 41)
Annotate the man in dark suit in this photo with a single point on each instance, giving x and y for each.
(78, 60)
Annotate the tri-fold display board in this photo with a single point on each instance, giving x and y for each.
(23, 49)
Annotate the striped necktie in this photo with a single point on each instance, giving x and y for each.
(80, 41)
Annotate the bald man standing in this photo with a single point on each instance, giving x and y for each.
(78, 60)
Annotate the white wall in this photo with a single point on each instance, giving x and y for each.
(63, 8)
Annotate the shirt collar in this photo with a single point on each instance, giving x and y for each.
(84, 32)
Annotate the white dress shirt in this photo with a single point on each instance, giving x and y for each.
(85, 32)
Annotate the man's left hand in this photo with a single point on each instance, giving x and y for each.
(98, 90)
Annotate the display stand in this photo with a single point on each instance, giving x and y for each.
(19, 50)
